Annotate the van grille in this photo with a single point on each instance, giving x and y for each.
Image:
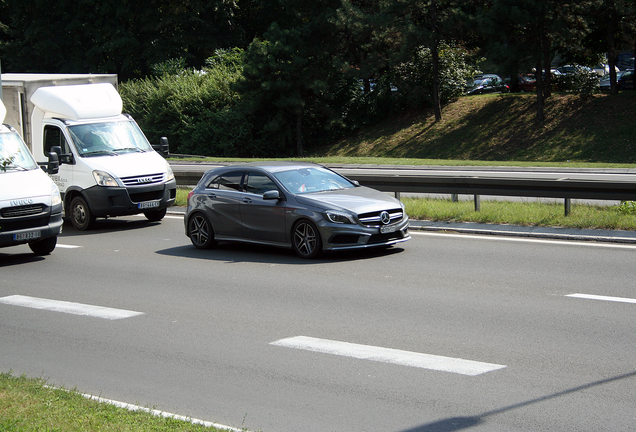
(146, 196)
(26, 210)
(142, 180)
(373, 218)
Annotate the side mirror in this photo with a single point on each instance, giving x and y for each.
(62, 158)
(271, 195)
(163, 148)
(54, 163)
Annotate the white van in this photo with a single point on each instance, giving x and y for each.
(30, 203)
(107, 166)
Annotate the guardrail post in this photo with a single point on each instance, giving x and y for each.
(454, 197)
(568, 206)
(397, 196)
(477, 203)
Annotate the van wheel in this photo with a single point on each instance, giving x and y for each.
(44, 246)
(81, 216)
(155, 216)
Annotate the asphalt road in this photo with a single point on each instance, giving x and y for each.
(447, 332)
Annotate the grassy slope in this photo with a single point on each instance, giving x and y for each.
(601, 128)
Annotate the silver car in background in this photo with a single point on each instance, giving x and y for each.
(302, 206)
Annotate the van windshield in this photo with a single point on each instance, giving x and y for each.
(109, 138)
(14, 156)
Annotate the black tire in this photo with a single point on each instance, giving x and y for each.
(155, 215)
(44, 246)
(200, 231)
(81, 216)
(306, 239)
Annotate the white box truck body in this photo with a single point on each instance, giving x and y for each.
(30, 203)
(107, 166)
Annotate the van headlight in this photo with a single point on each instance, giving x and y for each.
(104, 179)
(339, 217)
(56, 198)
(170, 174)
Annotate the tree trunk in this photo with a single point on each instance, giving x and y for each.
(299, 133)
(437, 106)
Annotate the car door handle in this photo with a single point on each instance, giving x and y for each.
(212, 195)
(247, 200)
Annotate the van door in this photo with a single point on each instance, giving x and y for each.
(54, 136)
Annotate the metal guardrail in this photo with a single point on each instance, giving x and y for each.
(619, 184)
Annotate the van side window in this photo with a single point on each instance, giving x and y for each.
(53, 136)
(227, 181)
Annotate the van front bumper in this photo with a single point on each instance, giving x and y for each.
(119, 201)
(30, 229)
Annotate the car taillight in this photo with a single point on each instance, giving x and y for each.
(190, 194)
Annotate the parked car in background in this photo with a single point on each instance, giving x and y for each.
(624, 80)
(302, 206)
(527, 83)
(487, 83)
(603, 69)
(625, 63)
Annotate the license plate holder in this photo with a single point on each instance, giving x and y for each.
(31, 235)
(387, 229)
(148, 205)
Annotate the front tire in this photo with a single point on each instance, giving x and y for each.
(44, 246)
(155, 215)
(81, 216)
(306, 239)
(200, 231)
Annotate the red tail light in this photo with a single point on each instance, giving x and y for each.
(190, 194)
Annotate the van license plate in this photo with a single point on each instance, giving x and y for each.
(387, 229)
(148, 204)
(27, 236)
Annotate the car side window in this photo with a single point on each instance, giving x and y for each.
(227, 181)
(258, 183)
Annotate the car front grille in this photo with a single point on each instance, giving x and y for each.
(26, 210)
(372, 219)
(142, 180)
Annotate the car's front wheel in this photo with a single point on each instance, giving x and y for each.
(81, 215)
(44, 246)
(200, 231)
(306, 239)
(155, 215)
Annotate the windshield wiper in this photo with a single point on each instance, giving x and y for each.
(100, 152)
(135, 149)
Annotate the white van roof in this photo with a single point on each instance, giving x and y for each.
(76, 102)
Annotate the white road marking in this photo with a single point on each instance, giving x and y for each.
(389, 355)
(64, 246)
(68, 307)
(525, 239)
(603, 298)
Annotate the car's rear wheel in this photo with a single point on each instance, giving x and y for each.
(306, 239)
(200, 231)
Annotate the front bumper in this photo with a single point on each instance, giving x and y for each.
(337, 237)
(32, 229)
(120, 201)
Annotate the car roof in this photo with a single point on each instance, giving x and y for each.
(269, 166)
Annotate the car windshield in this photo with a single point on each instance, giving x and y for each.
(14, 156)
(109, 138)
(310, 180)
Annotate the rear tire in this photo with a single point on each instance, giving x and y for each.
(200, 231)
(81, 216)
(44, 246)
(306, 239)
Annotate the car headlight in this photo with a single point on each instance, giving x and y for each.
(170, 174)
(56, 198)
(104, 179)
(339, 217)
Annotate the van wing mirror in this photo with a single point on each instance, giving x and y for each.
(62, 158)
(53, 165)
(163, 148)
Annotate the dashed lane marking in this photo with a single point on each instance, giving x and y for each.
(603, 298)
(389, 355)
(68, 307)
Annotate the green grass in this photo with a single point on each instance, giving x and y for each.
(28, 405)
